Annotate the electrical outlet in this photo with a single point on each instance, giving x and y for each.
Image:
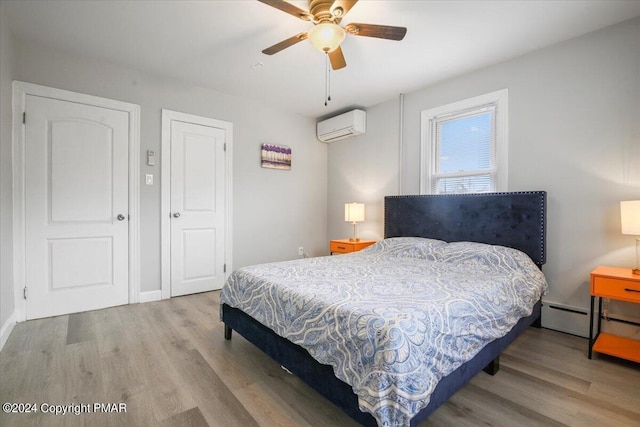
(301, 251)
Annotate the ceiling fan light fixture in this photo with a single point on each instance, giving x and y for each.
(326, 36)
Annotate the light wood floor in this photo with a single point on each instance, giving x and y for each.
(168, 361)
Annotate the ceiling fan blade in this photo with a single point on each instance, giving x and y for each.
(337, 59)
(379, 31)
(339, 8)
(288, 8)
(285, 44)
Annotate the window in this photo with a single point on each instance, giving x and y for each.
(464, 146)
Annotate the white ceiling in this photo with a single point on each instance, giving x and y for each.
(217, 44)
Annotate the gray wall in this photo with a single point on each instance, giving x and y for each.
(364, 169)
(274, 211)
(6, 205)
(574, 131)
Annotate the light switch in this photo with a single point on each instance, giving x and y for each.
(151, 157)
(149, 179)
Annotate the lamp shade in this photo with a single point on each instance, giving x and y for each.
(630, 217)
(354, 212)
(326, 36)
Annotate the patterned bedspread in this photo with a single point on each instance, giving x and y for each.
(395, 318)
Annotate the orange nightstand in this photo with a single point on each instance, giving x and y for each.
(619, 284)
(344, 246)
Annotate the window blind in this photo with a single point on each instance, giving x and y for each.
(464, 152)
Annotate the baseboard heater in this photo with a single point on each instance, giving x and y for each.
(613, 318)
(574, 320)
(565, 318)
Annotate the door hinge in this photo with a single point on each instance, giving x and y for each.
(25, 292)
(225, 146)
(224, 270)
(24, 118)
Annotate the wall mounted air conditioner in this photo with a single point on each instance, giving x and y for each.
(343, 126)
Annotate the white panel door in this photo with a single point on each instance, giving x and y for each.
(197, 208)
(76, 207)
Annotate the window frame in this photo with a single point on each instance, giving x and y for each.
(499, 148)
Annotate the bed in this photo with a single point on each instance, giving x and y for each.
(378, 374)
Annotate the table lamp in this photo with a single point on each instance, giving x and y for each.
(354, 213)
(630, 221)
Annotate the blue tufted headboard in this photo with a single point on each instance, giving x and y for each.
(516, 220)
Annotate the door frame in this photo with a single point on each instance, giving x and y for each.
(165, 196)
(20, 92)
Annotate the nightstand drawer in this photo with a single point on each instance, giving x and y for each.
(623, 290)
(345, 246)
(341, 248)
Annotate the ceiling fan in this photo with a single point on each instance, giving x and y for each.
(326, 34)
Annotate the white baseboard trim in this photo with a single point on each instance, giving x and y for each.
(6, 329)
(150, 296)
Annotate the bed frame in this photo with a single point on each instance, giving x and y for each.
(516, 220)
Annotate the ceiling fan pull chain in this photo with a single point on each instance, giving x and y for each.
(327, 80)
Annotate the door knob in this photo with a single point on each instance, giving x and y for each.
(176, 214)
(120, 217)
